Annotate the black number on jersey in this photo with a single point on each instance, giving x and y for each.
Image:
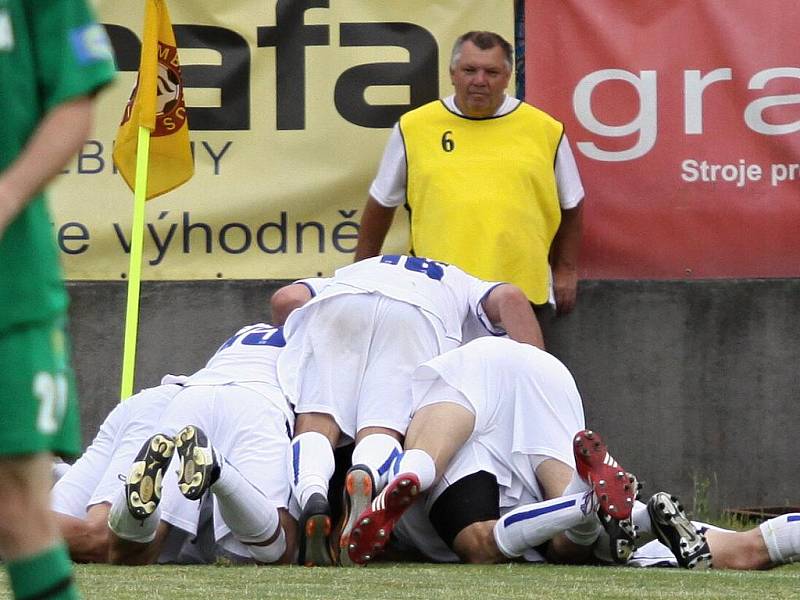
(448, 145)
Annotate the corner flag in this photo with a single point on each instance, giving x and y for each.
(157, 104)
(152, 151)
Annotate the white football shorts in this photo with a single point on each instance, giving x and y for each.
(352, 357)
(248, 428)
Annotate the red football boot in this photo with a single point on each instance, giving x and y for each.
(615, 488)
(374, 526)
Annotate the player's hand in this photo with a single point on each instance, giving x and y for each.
(565, 288)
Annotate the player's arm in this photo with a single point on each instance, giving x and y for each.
(507, 306)
(58, 137)
(564, 258)
(286, 299)
(375, 222)
(387, 192)
(567, 241)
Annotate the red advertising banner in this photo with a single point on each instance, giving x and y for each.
(684, 117)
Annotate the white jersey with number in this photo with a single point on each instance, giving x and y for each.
(352, 348)
(447, 295)
(249, 359)
(236, 401)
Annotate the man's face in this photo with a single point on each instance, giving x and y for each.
(480, 78)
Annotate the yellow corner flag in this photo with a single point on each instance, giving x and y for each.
(157, 104)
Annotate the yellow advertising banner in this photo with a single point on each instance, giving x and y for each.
(290, 103)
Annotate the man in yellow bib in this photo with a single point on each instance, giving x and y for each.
(489, 181)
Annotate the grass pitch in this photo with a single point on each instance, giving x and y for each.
(423, 581)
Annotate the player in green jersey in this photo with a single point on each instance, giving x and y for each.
(53, 58)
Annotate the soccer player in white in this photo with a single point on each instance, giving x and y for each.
(347, 369)
(82, 496)
(509, 411)
(233, 402)
(505, 410)
(692, 544)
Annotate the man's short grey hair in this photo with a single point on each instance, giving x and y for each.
(484, 40)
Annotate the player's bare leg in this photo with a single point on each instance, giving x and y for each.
(742, 550)
(434, 436)
(27, 526)
(774, 542)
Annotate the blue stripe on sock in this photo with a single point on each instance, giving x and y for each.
(385, 466)
(791, 518)
(296, 461)
(531, 514)
(396, 464)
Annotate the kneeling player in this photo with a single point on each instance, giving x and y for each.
(235, 404)
(507, 443)
(496, 414)
(81, 498)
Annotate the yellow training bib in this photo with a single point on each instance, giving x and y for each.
(482, 192)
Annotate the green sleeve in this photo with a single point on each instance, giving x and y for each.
(72, 52)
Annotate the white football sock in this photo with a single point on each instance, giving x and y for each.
(641, 521)
(533, 524)
(122, 523)
(251, 516)
(377, 452)
(782, 537)
(311, 464)
(586, 532)
(576, 485)
(271, 552)
(418, 462)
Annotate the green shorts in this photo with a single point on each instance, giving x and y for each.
(38, 404)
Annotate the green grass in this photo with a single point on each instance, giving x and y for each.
(417, 581)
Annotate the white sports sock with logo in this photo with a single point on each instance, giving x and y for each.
(576, 485)
(782, 537)
(418, 462)
(311, 465)
(533, 524)
(377, 452)
(586, 532)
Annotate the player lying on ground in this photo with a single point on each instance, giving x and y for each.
(83, 494)
(692, 544)
(347, 366)
(458, 520)
(493, 429)
(236, 403)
